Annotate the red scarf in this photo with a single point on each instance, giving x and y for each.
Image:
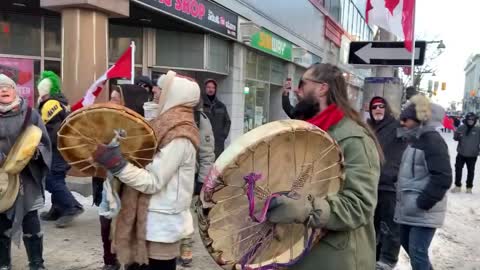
(327, 118)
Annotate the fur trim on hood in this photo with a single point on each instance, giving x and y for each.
(422, 107)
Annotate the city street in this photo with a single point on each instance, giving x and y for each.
(454, 246)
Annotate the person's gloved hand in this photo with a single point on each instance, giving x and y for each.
(424, 203)
(285, 210)
(110, 157)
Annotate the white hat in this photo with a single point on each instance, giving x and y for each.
(5, 80)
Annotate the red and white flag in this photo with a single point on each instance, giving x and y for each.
(121, 69)
(395, 16)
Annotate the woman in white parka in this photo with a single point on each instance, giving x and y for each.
(160, 216)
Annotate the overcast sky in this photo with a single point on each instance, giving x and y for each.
(457, 23)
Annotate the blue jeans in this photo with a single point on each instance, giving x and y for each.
(416, 241)
(62, 199)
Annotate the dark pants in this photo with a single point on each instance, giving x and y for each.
(30, 225)
(416, 241)
(108, 257)
(162, 265)
(459, 163)
(62, 199)
(387, 231)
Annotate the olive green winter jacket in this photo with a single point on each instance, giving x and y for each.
(348, 215)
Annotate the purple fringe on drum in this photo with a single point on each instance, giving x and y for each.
(251, 180)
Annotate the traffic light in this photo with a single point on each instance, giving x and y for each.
(434, 92)
(444, 86)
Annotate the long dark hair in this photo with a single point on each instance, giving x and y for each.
(338, 95)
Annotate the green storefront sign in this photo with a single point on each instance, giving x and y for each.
(272, 44)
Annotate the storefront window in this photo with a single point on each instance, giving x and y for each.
(251, 65)
(53, 37)
(20, 34)
(256, 104)
(278, 72)
(178, 49)
(265, 77)
(55, 66)
(263, 72)
(218, 54)
(120, 37)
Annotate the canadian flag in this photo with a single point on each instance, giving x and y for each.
(395, 16)
(123, 68)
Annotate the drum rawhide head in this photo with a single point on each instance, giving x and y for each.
(286, 157)
(84, 129)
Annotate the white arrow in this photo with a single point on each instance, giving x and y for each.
(367, 53)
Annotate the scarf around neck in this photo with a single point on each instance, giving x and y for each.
(130, 242)
(329, 117)
(4, 108)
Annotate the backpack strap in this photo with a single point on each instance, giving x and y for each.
(26, 120)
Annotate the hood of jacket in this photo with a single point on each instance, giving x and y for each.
(177, 91)
(207, 99)
(388, 117)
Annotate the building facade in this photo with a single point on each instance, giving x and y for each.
(249, 46)
(471, 94)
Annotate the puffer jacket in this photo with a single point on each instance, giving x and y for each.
(468, 140)
(425, 176)
(53, 111)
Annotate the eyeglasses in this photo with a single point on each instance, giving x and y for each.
(379, 106)
(303, 80)
(5, 87)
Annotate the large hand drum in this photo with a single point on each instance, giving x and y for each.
(84, 129)
(285, 157)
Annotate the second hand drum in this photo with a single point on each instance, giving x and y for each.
(84, 129)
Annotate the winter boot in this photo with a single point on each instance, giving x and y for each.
(34, 247)
(67, 220)
(5, 253)
(111, 267)
(456, 189)
(186, 256)
(383, 266)
(52, 214)
(469, 190)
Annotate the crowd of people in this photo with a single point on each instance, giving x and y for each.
(397, 173)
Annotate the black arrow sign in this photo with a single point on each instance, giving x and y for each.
(380, 53)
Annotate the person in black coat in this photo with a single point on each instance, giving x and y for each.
(385, 126)
(218, 115)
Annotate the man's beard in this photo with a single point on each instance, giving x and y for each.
(306, 109)
(378, 118)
